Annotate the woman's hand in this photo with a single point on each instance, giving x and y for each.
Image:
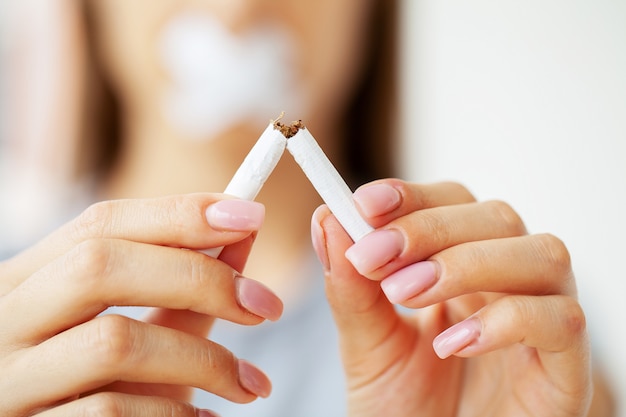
(497, 329)
(59, 357)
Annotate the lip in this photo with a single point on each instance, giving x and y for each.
(219, 79)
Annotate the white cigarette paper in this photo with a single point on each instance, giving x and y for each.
(328, 183)
(263, 158)
(254, 170)
(257, 165)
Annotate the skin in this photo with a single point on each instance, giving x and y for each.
(327, 64)
(528, 356)
(117, 249)
(127, 251)
(81, 269)
(532, 356)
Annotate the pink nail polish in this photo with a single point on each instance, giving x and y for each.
(236, 215)
(410, 281)
(375, 250)
(457, 337)
(253, 380)
(258, 299)
(377, 199)
(319, 242)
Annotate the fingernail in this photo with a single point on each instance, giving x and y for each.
(207, 413)
(254, 380)
(258, 299)
(319, 241)
(375, 250)
(377, 199)
(409, 281)
(236, 215)
(457, 337)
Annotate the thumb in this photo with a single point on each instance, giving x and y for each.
(363, 315)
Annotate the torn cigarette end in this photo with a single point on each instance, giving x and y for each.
(327, 181)
(289, 130)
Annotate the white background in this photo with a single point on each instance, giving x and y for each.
(525, 101)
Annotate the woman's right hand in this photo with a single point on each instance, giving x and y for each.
(60, 357)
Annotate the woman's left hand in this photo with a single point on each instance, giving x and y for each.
(497, 328)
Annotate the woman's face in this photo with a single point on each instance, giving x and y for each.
(308, 52)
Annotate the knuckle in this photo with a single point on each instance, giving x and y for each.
(92, 258)
(111, 340)
(177, 214)
(179, 409)
(199, 271)
(555, 256)
(177, 209)
(415, 192)
(521, 310)
(209, 361)
(95, 221)
(507, 216)
(218, 360)
(102, 404)
(203, 269)
(436, 226)
(573, 318)
(556, 325)
(555, 252)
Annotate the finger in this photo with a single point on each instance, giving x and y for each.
(186, 321)
(421, 234)
(554, 325)
(363, 316)
(118, 404)
(535, 265)
(199, 324)
(236, 254)
(187, 221)
(382, 201)
(115, 348)
(196, 323)
(99, 273)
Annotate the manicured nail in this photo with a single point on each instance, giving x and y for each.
(410, 281)
(319, 241)
(375, 250)
(377, 199)
(254, 380)
(236, 215)
(457, 337)
(258, 299)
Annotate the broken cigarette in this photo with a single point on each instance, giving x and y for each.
(325, 178)
(258, 164)
(263, 158)
(255, 169)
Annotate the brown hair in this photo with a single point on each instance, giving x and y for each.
(370, 118)
(102, 119)
(371, 115)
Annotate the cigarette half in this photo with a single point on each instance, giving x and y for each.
(326, 179)
(255, 170)
(258, 164)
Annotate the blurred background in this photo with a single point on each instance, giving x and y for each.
(526, 102)
(520, 101)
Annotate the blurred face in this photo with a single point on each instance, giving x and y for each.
(236, 57)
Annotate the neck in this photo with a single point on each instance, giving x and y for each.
(155, 162)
